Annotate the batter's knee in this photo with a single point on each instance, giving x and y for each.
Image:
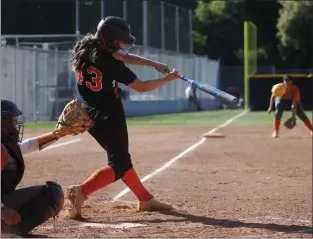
(54, 196)
(120, 163)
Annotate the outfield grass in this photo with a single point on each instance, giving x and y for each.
(207, 118)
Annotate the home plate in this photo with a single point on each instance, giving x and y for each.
(214, 135)
(115, 226)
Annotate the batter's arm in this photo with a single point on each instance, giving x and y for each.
(38, 143)
(150, 85)
(133, 59)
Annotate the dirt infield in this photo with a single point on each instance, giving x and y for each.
(243, 185)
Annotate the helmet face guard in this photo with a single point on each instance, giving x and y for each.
(20, 128)
(127, 48)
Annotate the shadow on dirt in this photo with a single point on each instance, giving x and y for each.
(230, 223)
(37, 236)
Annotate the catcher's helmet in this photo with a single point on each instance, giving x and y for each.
(114, 29)
(11, 129)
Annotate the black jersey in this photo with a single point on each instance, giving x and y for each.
(98, 83)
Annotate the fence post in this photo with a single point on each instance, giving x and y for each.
(125, 9)
(77, 16)
(190, 32)
(14, 75)
(177, 27)
(56, 70)
(162, 26)
(102, 8)
(145, 22)
(35, 84)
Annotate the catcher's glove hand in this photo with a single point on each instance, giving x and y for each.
(290, 123)
(73, 120)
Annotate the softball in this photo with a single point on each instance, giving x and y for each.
(278, 89)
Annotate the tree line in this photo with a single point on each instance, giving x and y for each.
(284, 30)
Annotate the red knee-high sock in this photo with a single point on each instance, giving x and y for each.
(132, 180)
(308, 124)
(99, 179)
(276, 125)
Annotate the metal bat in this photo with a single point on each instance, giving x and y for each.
(212, 91)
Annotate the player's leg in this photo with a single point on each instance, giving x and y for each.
(280, 106)
(77, 194)
(301, 114)
(112, 135)
(35, 205)
(119, 160)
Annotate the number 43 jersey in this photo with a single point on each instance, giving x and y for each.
(98, 83)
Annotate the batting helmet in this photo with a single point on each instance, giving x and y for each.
(112, 30)
(11, 129)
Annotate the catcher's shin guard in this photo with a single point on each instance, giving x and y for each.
(37, 210)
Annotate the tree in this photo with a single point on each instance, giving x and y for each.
(295, 32)
(219, 24)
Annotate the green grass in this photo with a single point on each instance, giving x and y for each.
(39, 125)
(205, 119)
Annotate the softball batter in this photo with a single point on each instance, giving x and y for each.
(99, 62)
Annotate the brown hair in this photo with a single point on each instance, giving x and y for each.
(85, 52)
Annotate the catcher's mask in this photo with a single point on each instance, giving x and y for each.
(12, 128)
(113, 34)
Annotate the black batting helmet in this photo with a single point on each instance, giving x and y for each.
(113, 29)
(11, 130)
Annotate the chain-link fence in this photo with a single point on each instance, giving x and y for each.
(41, 81)
(154, 23)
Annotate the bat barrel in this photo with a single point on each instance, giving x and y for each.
(213, 91)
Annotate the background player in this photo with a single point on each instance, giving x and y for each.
(290, 97)
(26, 208)
(99, 62)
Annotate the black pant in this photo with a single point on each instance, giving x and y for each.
(35, 205)
(110, 131)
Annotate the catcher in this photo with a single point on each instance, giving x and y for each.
(99, 61)
(23, 209)
(284, 95)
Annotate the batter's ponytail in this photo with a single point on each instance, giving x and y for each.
(85, 52)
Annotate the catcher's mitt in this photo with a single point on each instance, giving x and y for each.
(73, 120)
(290, 123)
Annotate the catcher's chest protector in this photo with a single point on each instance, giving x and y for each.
(13, 171)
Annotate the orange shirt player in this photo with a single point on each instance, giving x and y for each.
(290, 97)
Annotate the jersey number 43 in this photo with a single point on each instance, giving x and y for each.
(96, 79)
